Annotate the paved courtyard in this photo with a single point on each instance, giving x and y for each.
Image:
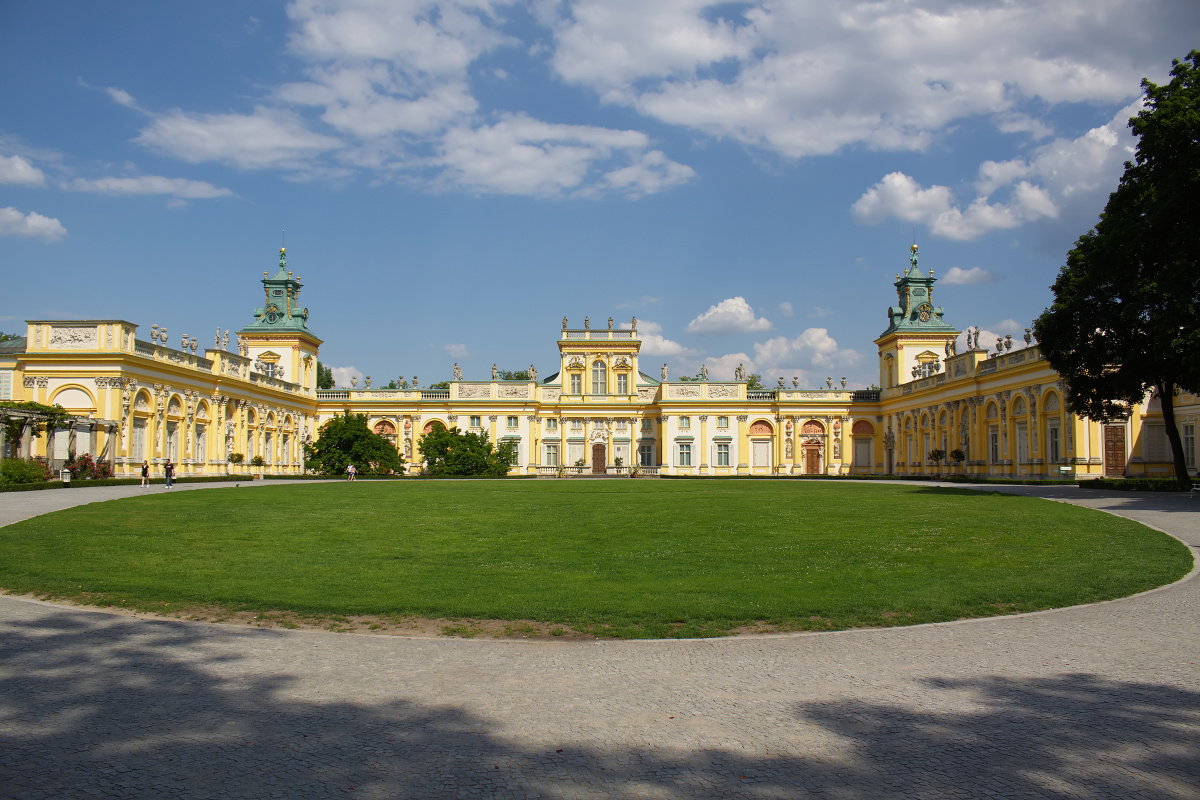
(1099, 701)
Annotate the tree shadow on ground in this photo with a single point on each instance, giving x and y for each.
(111, 707)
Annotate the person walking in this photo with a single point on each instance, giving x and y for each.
(145, 474)
(351, 471)
(169, 471)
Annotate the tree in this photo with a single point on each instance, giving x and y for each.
(346, 440)
(9, 337)
(324, 376)
(393, 384)
(1126, 314)
(439, 385)
(754, 382)
(449, 452)
(512, 375)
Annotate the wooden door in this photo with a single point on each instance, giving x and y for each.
(1114, 450)
(812, 461)
(598, 466)
(761, 452)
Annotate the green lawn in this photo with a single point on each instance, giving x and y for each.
(614, 558)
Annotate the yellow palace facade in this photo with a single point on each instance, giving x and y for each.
(134, 400)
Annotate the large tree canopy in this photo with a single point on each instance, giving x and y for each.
(448, 452)
(347, 439)
(1126, 314)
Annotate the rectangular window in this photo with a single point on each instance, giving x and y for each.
(1155, 446)
(551, 425)
(202, 442)
(622, 384)
(685, 423)
(994, 446)
(576, 426)
(599, 378)
(552, 455)
(475, 422)
(647, 425)
(512, 422)
(646, 455)
(139, 439)
(685, 455)
(722, 455)
(1053, 446)
(6, 384)
(621, 425)
(576, 384)
(173, 442)
(1189, 445)
(722, 422)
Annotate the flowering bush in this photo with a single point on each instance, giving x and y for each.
(85, 466)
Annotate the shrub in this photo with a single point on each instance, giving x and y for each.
(85, 466)
(258, 461)
(236, 458)
(1132, 484)
(23, 470)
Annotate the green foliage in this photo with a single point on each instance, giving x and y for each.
(451, 453)
(237, 458)
(754, 383)
(937, 456)
(23, 470)
(258, 461)
(346, 440)
(958, 456)
(85, 466)
(512, 375)
(392, 384)
(51, 416)
(324, 377)
(439, 385)
(1126, 313)
(9, 337)
(1131, 484)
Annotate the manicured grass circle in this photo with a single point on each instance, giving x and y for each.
(624, 558)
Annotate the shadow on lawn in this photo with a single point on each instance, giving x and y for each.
(125, 708)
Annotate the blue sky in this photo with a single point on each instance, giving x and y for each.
(455, 177)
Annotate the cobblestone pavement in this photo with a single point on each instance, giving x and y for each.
(1099, 701)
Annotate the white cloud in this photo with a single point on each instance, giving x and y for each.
(814, 347)
(342, 376)
(653, 343)
(122, 97)
(898, 195)
(20, 171)
(974, 275)
(812, 78)
(456, 350)
(732, 315)
(1065, 177)
(722, 368)
(522, 155)
(180, 188)
(266, 138)
(786, 309)
(33, 224)
(819, 313)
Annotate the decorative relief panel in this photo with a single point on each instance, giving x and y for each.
(550, 394)
(683, 392)
(474, 390)
(719, 390)
(646, 393)
(72, 337)
(514, 391)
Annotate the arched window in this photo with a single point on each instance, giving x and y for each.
(599, 381)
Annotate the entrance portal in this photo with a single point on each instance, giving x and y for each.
(812, 460)
(1114, 451)
(598, 461)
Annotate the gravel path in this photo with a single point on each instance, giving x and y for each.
(1098, 701)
